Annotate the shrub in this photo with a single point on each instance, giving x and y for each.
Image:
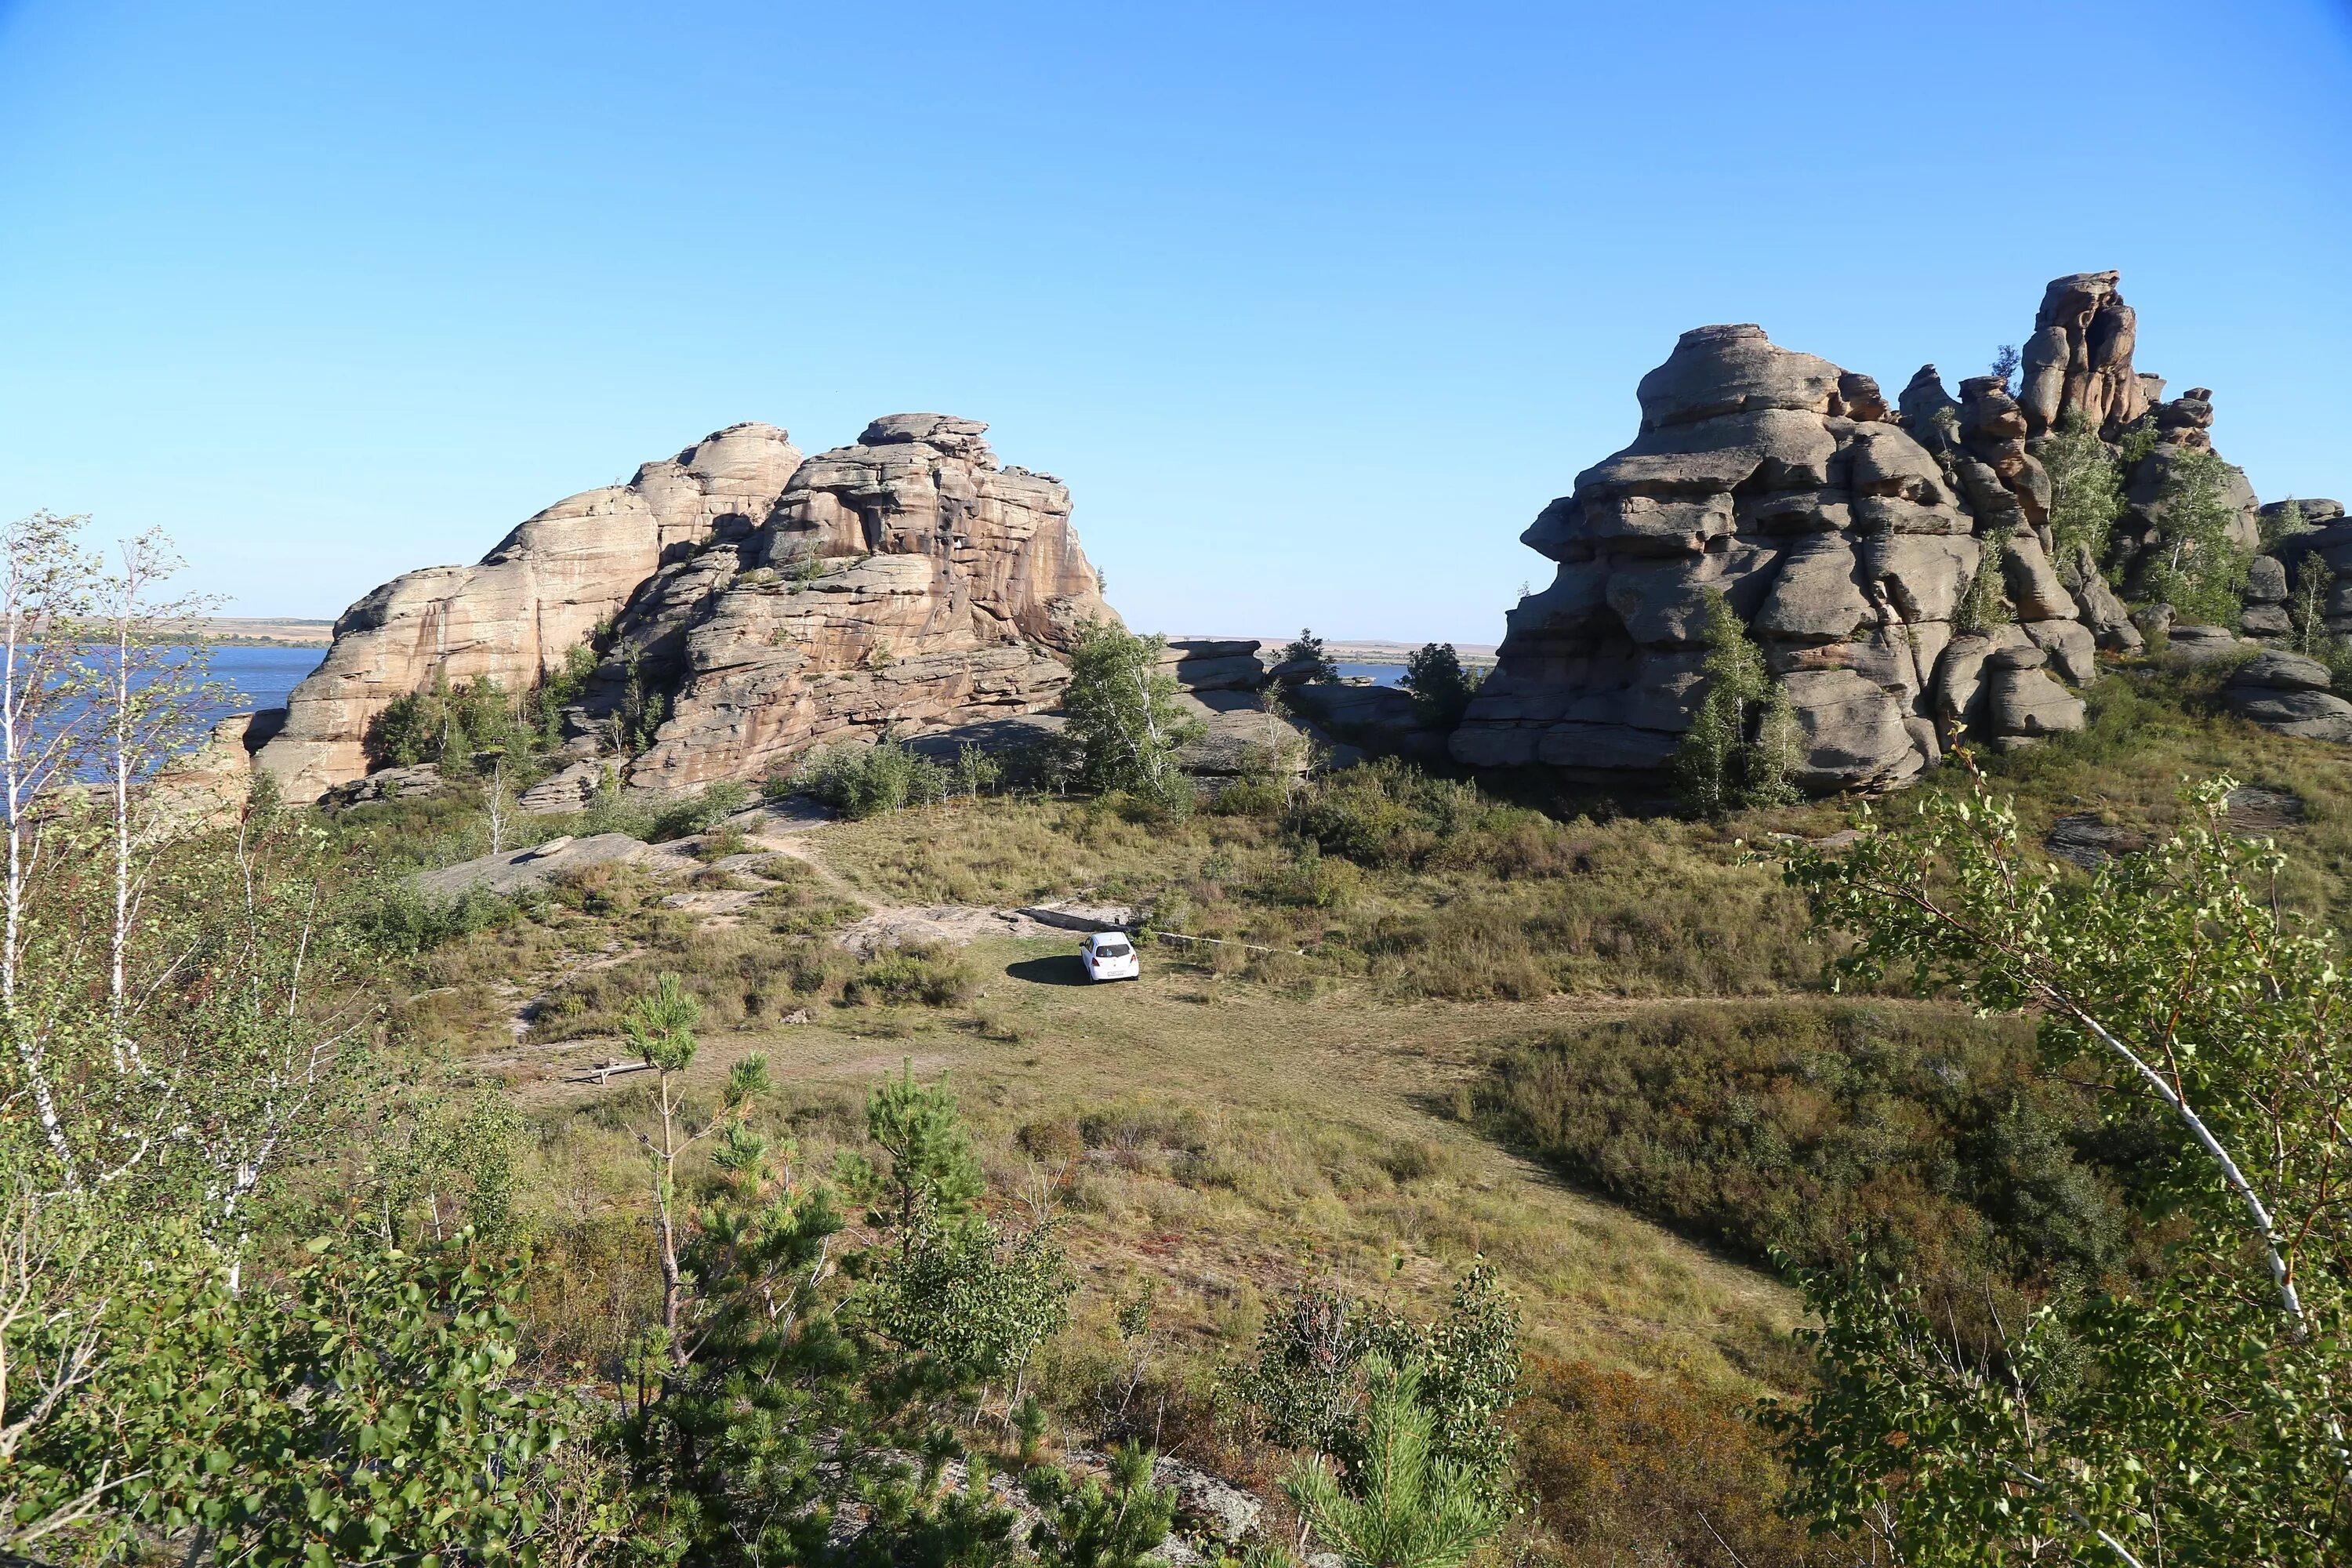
(399, 919)
(699, 813)
(1984, 604)
(1627, 1469)
(447, 724)
(1309, 661)
(1796, 1126)
(895, 977)
(1441, 689)
(1390, 812)
(1742, 747)
(862, 780)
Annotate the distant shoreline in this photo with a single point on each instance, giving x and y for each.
(273, 631)
(1343, 650)
(257, 631)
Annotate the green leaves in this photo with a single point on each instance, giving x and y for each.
(930, 1162)
(1743, 746)
(2197, 567)
(659, 1026)
(251, 1409)
(1404, 1505)
(1089, 1524)
(1309, 1385)
(1125, 723)
(2204, 1409)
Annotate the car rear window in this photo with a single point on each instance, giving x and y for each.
(1112, 950)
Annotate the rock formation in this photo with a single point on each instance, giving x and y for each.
(907, 580)
(1846, 538)
(2080, 357)
(1843, 535)
(2288, 693)
(744, 604)
(516, 617)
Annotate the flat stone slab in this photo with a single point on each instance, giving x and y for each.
(517, 870)
(2088, 842)
(1069, 915)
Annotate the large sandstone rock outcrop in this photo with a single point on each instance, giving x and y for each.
(746, 602)
(2080, 356)
(1844, 539)
(516, 614)
(907, 580)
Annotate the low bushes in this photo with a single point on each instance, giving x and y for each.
(1626, 1470)
(921, 974)
(866, 781)
(1802, 1125)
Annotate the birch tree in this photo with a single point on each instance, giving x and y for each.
(177, 1000)
(2200, 1415)
(1126, 722)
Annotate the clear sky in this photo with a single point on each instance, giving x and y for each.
(1314, 306)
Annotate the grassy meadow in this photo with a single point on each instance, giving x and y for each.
(1590, 1047)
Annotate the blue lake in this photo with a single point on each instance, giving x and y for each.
(260, 676)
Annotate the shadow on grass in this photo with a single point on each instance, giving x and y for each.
(1062, 969)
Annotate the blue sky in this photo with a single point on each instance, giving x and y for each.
(1313, 306)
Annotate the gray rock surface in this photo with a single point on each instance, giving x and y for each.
(388, 783)
(2288, 693)
(2089, 841)
(568, 789)
(2281, 671)
(1842, 537)
(2311, 715)
(2202, 645)
(518, 870)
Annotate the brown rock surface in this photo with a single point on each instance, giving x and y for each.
(751, 601)
(2080, 356)
(906, 582)
(516, 614)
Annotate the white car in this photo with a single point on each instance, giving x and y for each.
(1109, 956)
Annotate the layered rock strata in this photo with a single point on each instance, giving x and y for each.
(1843, 535)
(2080, 357)
(907, 582)
(516, 615)
(744, 604)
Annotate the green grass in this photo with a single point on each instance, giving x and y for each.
(1589, 1048)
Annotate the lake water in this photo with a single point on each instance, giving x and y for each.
(260, 676)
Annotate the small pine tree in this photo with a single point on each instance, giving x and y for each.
(1305, 651)
(2005, 361)
(1744, 744)
(1404, 1505)
(1438, 684)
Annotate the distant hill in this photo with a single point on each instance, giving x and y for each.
(263, 631)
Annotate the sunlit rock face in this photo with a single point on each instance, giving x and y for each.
(744, 603)
(1843, 534)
